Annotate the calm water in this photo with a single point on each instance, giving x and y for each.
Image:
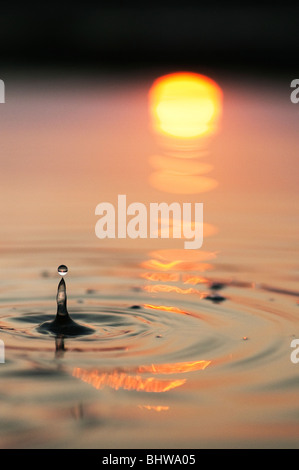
(188, 348)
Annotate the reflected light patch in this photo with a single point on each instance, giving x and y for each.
(179, 166)
(172, 309)
(181, 184)
(176, 265)
(157, 408)
(117, 380)
(165, 288)
(178, 367)
(168, 225)
(183, 255)
(164, 277)
(166, 308)
(155, 264)
(194, 280)
(185, 105)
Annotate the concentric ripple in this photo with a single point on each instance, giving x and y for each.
(160, 351)
(156, 330)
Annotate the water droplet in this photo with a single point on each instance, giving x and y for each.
(62, 269)
(61, 299)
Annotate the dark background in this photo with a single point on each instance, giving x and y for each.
(261, 37)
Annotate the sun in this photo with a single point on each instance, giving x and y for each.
(185, 105)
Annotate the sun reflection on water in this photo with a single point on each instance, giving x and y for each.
(185, 109)
(134, 379)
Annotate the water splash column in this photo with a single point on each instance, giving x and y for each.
(63, 325)
(61, 293)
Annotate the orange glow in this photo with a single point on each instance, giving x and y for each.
(121, 379)
(164, 277)
(179, 367)
(153, 408)
(179, 166)
(183, 255)
(166, 224)
(118, 380)
(185, 105)
(166, 308)
(176, 265)
(181, 184)
(166, 288)
(189, 279)
(155, 264)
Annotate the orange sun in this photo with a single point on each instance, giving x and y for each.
(185, 105)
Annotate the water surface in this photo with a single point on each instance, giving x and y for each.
(186, 348)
